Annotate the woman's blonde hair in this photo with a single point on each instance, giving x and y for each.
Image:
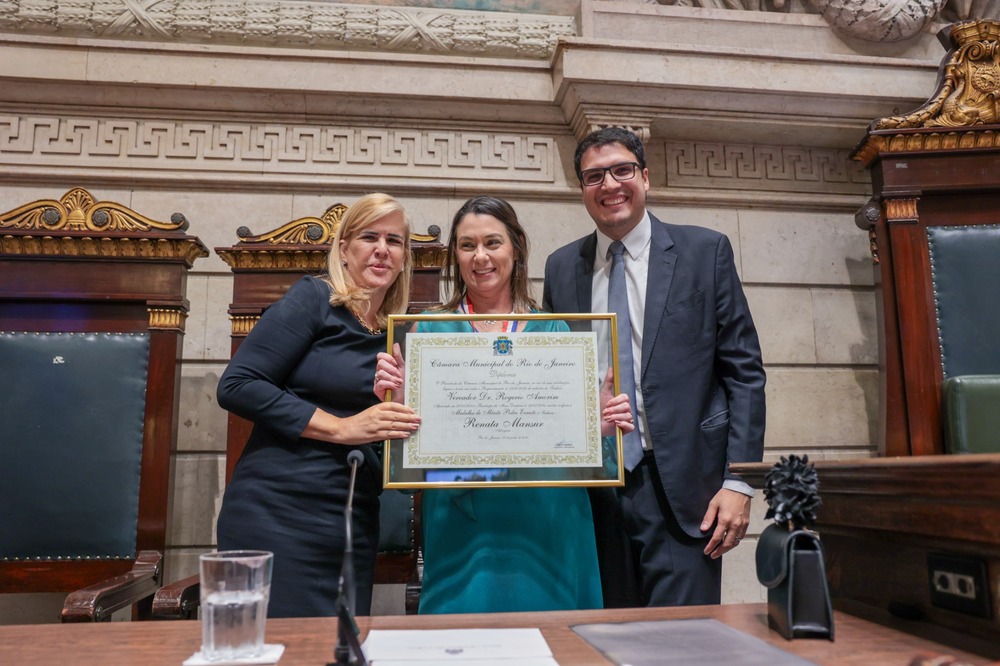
(362, 214)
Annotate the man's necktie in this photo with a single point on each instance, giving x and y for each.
(618, 303)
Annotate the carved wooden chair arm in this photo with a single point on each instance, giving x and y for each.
(97, 602)
(177, 601)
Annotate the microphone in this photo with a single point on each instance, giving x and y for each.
(346, 587)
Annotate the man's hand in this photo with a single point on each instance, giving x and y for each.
(730, 511)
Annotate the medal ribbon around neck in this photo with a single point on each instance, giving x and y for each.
(509, 325)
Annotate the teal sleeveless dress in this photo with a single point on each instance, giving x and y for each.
(491, 550)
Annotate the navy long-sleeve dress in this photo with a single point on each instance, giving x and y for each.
(288, 493)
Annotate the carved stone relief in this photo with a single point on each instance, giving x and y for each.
(879, 20)
(294, 23)
(870, 20)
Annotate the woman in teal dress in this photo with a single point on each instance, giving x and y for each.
(502, 549)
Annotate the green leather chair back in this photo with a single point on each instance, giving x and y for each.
(72, 409)
(965, 268)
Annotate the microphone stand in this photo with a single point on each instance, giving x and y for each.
(348, 650)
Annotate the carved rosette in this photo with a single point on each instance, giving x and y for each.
(964, 104)
(167, 319)
(79, 226)
(866, 219)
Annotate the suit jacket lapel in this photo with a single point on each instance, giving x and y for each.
(585, 273)
(662, 260)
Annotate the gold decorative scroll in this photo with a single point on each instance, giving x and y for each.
(304, 231)
(969, 83)
(77, 210)
(965, 102)
(77, 226)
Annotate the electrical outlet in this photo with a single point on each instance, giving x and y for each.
(959, 584)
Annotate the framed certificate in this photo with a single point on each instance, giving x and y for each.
(518, 408)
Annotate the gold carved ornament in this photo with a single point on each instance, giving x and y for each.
(966, 99)
(77, 225)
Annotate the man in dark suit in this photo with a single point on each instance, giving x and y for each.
(698, 375)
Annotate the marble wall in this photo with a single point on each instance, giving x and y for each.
(235, 135)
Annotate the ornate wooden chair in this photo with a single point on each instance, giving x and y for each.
(264, 267)
(92, 318)
(934, 225)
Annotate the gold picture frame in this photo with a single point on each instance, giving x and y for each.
(493, 404)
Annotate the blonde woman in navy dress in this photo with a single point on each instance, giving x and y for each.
(303, 377)
(502, 549)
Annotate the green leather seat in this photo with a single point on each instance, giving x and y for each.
(971, 405)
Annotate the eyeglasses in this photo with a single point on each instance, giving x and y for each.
(621, 172)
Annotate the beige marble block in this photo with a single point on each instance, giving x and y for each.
(199, 480)
(814, 408)
(784, 320)
(846, 326)
(803, 247)
(201, 423)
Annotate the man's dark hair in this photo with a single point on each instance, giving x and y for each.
(608, 135)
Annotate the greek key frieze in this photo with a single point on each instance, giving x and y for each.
(154, 144)
(691, 164)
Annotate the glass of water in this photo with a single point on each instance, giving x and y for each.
(235, 585)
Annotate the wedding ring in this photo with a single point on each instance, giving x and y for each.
(377, 377)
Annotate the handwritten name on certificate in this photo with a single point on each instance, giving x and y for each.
(503, 399)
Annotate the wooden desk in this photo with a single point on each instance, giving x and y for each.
(310, 641)
(882, 517)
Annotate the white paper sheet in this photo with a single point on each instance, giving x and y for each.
(534, 403)
(501, 647)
